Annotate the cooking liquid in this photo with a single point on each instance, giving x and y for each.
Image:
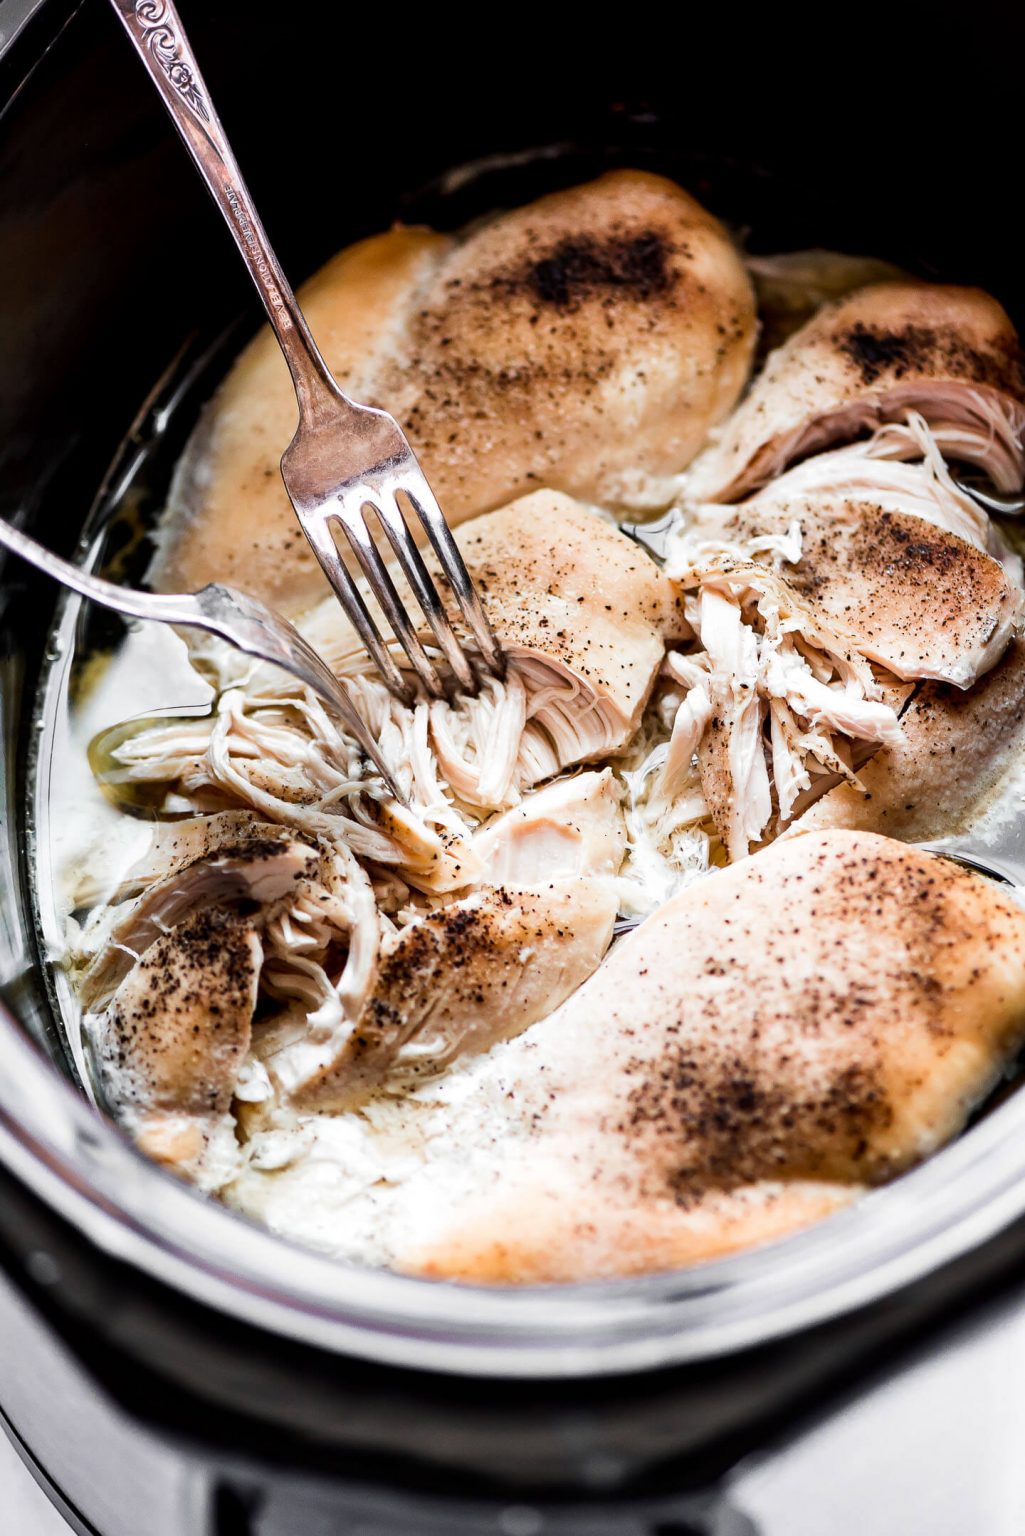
(101, 674)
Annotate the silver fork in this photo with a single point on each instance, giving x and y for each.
(345, 458)
(247, 624)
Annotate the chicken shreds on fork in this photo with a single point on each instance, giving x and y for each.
(775, 1041)
(950, 354)
(582, 615)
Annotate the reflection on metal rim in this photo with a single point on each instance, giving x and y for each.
(87, 1171)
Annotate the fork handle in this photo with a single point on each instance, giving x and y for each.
(158, 36)
(173, 608)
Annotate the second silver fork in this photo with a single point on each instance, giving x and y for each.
(346, 460)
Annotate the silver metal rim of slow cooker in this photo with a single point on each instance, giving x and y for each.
(84, 1168)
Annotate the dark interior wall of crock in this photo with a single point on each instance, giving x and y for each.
(895, 131)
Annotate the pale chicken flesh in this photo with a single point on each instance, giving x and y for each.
(397, 1031)
(732, 1072)
(573, 826)
(586, 342)
(949, 353)
(453, 983)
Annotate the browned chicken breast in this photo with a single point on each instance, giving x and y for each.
(588, 341)
(455, 982)
(949, 353)
(177, 1031)
(922, 601)
(778, 1038)
(791, 285)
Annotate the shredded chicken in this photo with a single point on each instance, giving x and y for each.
(303, 984)
(453, 983)
(773, 697)
(775, 1041)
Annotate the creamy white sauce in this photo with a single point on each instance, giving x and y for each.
(340, 1182)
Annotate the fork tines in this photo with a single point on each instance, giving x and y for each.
(354, 512)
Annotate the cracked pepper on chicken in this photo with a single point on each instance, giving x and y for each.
(419, 1035)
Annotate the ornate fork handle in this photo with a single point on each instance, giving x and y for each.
(158, 36)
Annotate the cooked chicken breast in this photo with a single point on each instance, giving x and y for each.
(878, 471)
(394, 1028)
(572, 827)
(454, 983)
(583, 615)
(588, 342)
(922, 602)
(177, 1031)
(174, 845)
(777, 684)
(791, 285)
(566, 590)
(949, 353)
(801, 1026)
(262, 866)
(955, 747)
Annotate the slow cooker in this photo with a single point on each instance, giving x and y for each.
(165, 1367)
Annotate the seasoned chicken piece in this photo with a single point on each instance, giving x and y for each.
(949, 353)
(954, 749)
(174, 845)
(921, 601)
(782, 1035)
(262, 866)
(583, 615)
(572, 827)
(170, 1046)
(573, 600)
(878, 471)
(792, 285)
(588, 341)
(455, 982)
(777, 684)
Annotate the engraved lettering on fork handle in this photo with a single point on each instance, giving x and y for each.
(249, 236)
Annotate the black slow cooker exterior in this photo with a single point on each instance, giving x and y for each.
(147, 1399)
